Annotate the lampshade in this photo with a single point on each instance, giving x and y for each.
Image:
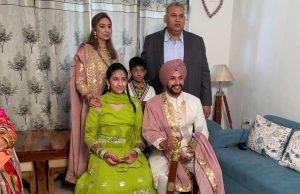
(221, 74)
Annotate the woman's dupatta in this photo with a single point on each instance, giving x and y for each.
(78, 152)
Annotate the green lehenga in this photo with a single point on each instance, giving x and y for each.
(117, 132)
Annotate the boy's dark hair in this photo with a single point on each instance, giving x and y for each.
(136, 61)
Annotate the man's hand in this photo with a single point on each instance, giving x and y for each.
(95, 102)
(110, 158)
(206, 111)
(169, 144)
(187, 153)
(130, 157)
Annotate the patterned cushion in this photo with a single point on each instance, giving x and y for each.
(291, 156)
(268, 138)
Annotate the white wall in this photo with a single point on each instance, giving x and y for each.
(265, 59)
(216, 33)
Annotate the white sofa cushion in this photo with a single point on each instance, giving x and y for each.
(291, 156)
(268, 138)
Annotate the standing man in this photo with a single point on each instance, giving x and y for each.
(174, 124)
(175, 43)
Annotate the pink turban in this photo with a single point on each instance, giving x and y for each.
(168, 69)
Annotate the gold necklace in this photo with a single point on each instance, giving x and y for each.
(102, 59)
(176, 119)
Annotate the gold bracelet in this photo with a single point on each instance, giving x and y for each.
(88, 97)
(11, 138)
(6, 140)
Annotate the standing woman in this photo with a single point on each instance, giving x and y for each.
(10, 173)
(87, 83)
(113, 135)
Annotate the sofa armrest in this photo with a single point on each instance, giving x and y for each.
(221, 139)
(212, 126)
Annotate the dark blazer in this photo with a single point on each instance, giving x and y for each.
(197, 81)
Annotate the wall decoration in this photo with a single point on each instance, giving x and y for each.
(215, 10)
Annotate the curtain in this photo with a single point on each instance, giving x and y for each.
(38, 39)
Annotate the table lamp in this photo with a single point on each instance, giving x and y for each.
(221, 74)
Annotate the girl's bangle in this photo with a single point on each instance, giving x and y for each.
(6, 140)
(97, 151)
(11, 138)
(102, 153)
(137, 150)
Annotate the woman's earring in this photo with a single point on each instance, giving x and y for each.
(108, 87)
(94, 33)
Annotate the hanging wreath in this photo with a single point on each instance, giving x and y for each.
(210, 15)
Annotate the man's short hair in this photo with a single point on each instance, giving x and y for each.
(175, 3)
(136, 61)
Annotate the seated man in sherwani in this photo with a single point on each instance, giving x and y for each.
(174, 124)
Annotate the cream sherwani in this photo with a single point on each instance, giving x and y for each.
(193, 116)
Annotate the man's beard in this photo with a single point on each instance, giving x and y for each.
(175, 93)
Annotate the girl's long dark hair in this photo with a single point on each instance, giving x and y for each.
(118, 66)
(92, 40)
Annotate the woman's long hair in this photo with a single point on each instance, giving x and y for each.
(118, 66)
(92, 40)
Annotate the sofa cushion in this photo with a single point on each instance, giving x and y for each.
(291, 156)
(268, 138)
(256, 173)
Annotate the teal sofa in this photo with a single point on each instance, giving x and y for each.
(248, 172)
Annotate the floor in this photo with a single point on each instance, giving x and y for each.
(61, 186)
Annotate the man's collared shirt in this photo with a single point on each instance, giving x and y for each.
(173, 50)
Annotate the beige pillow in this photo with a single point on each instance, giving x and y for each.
(268, 138)
(291, 156)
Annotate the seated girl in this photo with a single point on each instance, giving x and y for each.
(113, 135)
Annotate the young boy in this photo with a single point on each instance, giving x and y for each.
(138, 87)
